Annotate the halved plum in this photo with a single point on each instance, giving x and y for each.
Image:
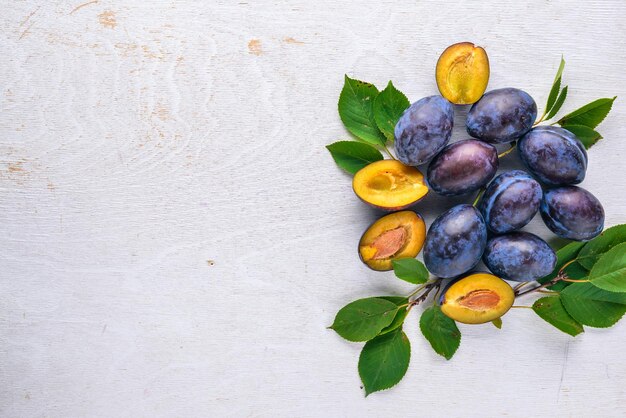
(397, 235)
(389, 185)
(477, 298)
(462, 73)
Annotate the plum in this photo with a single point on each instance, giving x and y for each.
(572, 212)
(477, 298)
(501, 116)
(455, 241)
(519, 256)
(397, 235)
(462, 167)
(554, 155)
(423, 130)
(462, 73)
(389, 185)
(511, 200)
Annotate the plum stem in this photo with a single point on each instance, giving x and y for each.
(541, 118)
(513, 146)
(575, 281)
(478, 196)
(420, 287)
(389, 152)
(562, 269)
(521, 306)
(428, 288)
(560, 276)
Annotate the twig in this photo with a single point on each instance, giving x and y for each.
(429, 287)
(558, 278)
(561, 276)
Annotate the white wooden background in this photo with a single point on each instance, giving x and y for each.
(175, 237)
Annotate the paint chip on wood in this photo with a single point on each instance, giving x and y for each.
(254, 47)
(290, 40)
(107, 19)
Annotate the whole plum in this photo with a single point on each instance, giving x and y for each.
(462, 167)
(423, 130)
(519, 256)
(501, 115)
(572, 212)
(511, 200)
(553, 155)
(455, 241)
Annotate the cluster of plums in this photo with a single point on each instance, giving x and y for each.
(457, 240)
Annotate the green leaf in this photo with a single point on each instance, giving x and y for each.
(608, 239)
(556, 85)
(593, 306)
(586, 135)
(563, 255)
(353, 156)
(609, 272)
(398, 300)
(363, 319)
(356, 110)
(551, 310)
(388, 107)
(554, 92)
(440, 331)
(590, 114)
(558, 104)
(497, 323)
(398, 320)
(384, 361)
(410, 270)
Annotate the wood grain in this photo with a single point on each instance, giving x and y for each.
(176, 238)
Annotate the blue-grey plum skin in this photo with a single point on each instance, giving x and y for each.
(501, 116)
(423, 130)
(572, 212)
(511, 201)
(519, 256)
(553, 155)
(462, 167)
(455, 241)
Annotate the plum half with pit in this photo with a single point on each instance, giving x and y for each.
(477, 298)
(397, 235)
